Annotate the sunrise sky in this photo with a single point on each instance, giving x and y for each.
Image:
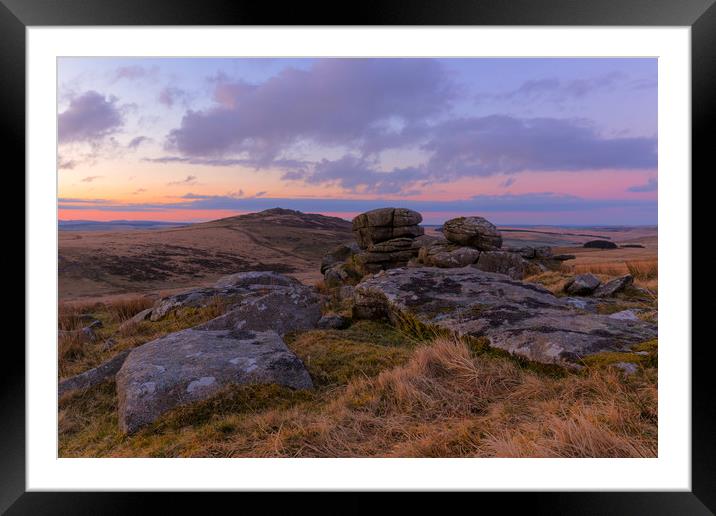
(519, 141)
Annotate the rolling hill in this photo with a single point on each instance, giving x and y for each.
(100, 263)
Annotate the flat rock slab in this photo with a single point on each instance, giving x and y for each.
(281, 310)
(522, 318)
(191, 365)
(232, 290)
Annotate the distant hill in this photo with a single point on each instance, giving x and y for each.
(113, 225)
(95, 263)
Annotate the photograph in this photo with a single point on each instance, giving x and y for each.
(352, 257)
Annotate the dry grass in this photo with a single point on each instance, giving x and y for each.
(606, 269)
(322, 288)
(78, 352)
(645, 273)
(644, 269)
(123, 309)
(553, 281)
(641, 269)
(439, 400)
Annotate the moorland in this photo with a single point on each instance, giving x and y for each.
(390, 379)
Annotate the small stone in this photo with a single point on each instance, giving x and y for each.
(625, 315)
(582, 285)
(614, 286)
(332, 322)
(627, 367)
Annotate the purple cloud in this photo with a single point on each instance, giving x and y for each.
(556, 90)
(67, 164)
(360, 175)
(136, 142)
(652, 185)
(89, 117)
(283, 164)
(188, 180)
(170, 95)
(89, 179)
(502, 144)
(508, 182)
(488, 146)
(336, 102)
(134, 72)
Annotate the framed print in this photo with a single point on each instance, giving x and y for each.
(417, 253)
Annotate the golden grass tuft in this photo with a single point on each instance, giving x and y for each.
(553, 281)
(606, 269)
(644, 269)
(123, 309)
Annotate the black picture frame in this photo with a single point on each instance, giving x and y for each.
(700, 15)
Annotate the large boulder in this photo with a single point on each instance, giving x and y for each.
(383, 224)
(475, 232)
(230, 290)
(283, 311)
(447, 255)
(522, 318)
(614, 286)
(255, 279)
(192, 365)
(511, 264)
(581, 285)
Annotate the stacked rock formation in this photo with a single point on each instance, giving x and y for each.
(388, 238)
(477, 242)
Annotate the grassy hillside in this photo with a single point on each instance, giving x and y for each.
(97, 263)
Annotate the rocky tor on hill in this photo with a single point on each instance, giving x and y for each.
(388, 238)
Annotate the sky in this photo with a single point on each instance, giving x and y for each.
(518, 141)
